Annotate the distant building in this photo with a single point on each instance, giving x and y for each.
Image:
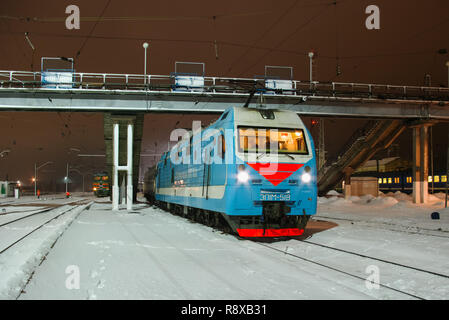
(7, 188)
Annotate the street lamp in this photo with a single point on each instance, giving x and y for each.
(145, 46)
(311, 54)
(4, 152)
(80, 173)
(36, 168)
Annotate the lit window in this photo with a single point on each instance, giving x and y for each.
(380, 180)
(443, 178)
(385, 180)
(266, 140)
(409, 179)
(396, 180)
(436, 178)
(429, 178)
(389, 180)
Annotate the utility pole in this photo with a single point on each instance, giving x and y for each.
(447, 65)
(447, 169)
(36, 168)
(35, 179)
(67, 180)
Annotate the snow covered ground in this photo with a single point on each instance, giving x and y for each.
(151, 254)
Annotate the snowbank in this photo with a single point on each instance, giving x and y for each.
(333, 193)
(382, 201)
(18, 263)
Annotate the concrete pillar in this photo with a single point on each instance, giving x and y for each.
(115, 147)
(129, 188)
(420, 163)
(347, 188)
(123, 120)
(128, 168)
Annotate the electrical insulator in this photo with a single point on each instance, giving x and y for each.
(338, 70)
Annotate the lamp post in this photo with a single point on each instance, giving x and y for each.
(145, 46)
(36, 168)
(80, 173)
(311, 54)
(67, 180)
(6, 151)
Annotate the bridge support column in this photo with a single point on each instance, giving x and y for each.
(347, 189)
(123, 139)
(128, 168)
(420, 163)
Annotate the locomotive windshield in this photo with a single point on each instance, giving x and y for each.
(272, 140)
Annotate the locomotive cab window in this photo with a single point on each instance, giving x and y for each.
(272, 140)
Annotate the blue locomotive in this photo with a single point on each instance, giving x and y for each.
(252, 172)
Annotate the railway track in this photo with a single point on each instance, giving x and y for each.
(80, 203)
(378, 259)
(403, 269)
(419, 230)
(49, 218)
(348, 273)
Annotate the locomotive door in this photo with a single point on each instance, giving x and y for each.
(206, 176)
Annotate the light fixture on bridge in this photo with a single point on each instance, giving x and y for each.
(145, 46)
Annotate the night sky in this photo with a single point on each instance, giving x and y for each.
(413, 41)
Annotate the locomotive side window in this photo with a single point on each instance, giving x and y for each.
(437, 178)
(272, 140)
(443, 178)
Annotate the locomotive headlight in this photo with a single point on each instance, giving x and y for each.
(243, 176)
(306, 177)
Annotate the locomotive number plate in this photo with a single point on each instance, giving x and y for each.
(270, 195)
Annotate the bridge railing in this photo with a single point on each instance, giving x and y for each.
(168, 83)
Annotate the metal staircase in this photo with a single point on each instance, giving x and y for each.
(363, 144)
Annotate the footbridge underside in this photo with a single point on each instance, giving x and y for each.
(131, 102)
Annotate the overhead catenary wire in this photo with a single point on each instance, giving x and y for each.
(93, 29)
(279, 19)
(222, 43)
(150, 18)
(280, 43)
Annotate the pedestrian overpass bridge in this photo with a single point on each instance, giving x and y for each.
(125, 98)
(128, 93)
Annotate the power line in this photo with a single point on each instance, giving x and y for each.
(223, 43)
(263, 35)
(93, 29)
(133, 19)
(286, 38)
